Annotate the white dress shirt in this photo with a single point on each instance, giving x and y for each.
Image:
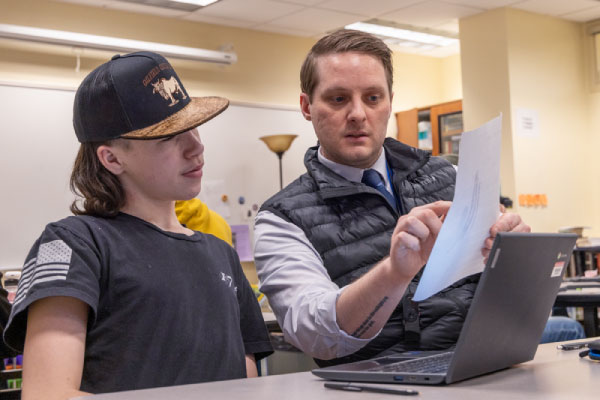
(294, 279)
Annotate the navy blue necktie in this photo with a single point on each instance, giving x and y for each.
(373, 178)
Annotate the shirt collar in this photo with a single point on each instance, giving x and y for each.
(354, 174)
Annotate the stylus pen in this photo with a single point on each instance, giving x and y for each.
(574, 346)
(375, 389)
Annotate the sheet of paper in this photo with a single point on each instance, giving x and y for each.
(457, 250)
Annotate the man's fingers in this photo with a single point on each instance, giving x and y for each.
(421, 223)
(440, 208)
(408, 241)
(487, 244)
(413, 225)
(509, 223)
(506, 223)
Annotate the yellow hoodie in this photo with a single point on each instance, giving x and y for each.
(197, 216)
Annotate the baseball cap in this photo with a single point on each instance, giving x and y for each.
(138, 96)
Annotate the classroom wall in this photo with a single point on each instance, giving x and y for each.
(423, 81)
(485, 79)
(451, 78)
(266, 74)
(594, 172)
(267, 70)
(547, 74)
(594, 123)
(534, 62)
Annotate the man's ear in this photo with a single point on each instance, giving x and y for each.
(305, 106)
(109, 159)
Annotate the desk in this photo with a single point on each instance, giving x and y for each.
(582, 294)
(552, 375)
(286, 358)
(270, 321)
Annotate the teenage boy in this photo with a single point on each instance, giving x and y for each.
(122, 296)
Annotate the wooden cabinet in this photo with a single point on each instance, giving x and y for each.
(446, 126)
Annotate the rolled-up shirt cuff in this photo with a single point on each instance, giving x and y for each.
(321, 335)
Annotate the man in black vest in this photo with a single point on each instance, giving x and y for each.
(339, 251)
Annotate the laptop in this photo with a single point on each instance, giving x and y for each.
(504, 324)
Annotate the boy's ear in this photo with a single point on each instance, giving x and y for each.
(109, 159)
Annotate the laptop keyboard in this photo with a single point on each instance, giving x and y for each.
(427, 365)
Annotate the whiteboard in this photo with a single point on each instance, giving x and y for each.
(38, 148)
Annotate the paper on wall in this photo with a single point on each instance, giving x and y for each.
(457, 251)
(212, 193)
(241, 242)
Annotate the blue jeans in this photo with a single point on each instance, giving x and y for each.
(559, 329)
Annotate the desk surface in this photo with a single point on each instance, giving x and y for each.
(578, 294)
(553, 374)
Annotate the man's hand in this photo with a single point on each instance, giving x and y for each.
(365, 305)
(414, 236)
(507, 222)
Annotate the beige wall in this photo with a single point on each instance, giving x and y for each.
(266, 72)
(486, 91)
(594, 172)
(525, 60)
(451, 78)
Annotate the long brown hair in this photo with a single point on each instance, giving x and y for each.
(99, 192)
(343, 41)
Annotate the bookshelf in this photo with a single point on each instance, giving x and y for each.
(444, 122)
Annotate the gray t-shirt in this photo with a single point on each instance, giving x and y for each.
(165, 308)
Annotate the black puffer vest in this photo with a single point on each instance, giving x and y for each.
(350, 225)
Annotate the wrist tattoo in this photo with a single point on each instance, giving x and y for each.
(368, 323)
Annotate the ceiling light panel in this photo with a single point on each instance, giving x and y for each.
(183, 5)
(404, 34)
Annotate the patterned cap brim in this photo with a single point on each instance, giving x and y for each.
(197, 112)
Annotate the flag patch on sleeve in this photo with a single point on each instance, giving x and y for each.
(51, 264)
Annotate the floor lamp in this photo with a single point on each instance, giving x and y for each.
(279, 144)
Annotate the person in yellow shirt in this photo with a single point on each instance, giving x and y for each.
(196, 215)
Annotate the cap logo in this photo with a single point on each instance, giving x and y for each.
(167, 88)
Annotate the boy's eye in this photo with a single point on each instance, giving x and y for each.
(338, 99)
(167, 138)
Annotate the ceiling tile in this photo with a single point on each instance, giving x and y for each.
(312, 19)
(285, 31)
(306, 3)
(132, 7)
(369, 9)
(95, 3)
(430, 13)
(589, 14)
(145, 9)
(256, 11)
(556, 7)
(218, 21)
(486, 4)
